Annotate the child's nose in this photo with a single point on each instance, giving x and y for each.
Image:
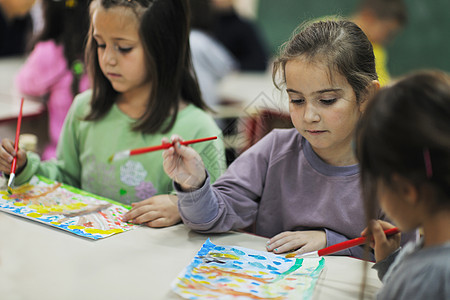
(310, 114)
(109, 56)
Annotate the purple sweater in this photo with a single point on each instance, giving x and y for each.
(278, 185)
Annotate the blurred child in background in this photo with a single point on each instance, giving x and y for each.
(15, 26)
(55, 67)
(381, 20)
(240, 36)
(212, 61)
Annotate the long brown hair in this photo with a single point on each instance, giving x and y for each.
(164, 32)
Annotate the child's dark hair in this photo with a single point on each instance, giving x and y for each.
(406, 131)
(341, 44)
(164, 32)
(67, 23)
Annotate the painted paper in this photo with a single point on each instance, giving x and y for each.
(65, 207)
(229, 272)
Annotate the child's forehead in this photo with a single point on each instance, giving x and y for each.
(115, 21)
(304, 66)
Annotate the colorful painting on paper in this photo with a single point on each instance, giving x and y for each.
(227, 272)
(65, 207)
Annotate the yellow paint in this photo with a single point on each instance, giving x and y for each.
(19, 204)
(42, 209)
(263, 273)
(75, 206)
(75, 227)
(34, 215)
(224, 255)
(101, 231)
(239, 280)
(22, 189)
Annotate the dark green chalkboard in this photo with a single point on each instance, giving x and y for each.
(423, 43)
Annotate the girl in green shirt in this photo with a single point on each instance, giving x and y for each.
(143, 88)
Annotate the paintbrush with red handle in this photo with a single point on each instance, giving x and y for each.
(128, 153)
(12, 174)
(340, 246)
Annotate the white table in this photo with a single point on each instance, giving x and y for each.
(39, 262)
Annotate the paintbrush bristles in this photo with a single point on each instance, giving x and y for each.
(10, 183)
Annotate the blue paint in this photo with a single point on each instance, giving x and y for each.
(237, 251)
(260, 257)
(257, 264)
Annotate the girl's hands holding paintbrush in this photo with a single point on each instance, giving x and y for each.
(7, 154)
(381, 244)
(184, 165)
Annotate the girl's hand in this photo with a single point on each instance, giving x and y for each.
(157, 211)
(381, 244)
(7, 154)
(184, 165)
(300, 241)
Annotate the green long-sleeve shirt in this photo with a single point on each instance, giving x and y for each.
(85, 146)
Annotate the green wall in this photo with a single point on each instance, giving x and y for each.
(423, 43)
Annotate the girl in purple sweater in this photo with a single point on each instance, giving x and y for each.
(300, 187)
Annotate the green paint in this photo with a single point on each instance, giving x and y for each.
(298, 263)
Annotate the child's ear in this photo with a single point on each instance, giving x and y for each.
(370, 91)
(406, 189)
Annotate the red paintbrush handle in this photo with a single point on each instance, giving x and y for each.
(19, 122)
(352, 243)
(16, 141)
(13, 165)
(168, 145)
(198, 140)
(150, 149)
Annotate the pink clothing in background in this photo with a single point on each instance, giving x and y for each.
(45, 73)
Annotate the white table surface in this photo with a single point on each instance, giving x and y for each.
(40, 262)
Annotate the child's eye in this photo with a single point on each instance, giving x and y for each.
(125, 49)
(297, 101)
(328, 101)
(103, 46)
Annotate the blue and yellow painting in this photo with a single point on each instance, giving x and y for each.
(229, 272)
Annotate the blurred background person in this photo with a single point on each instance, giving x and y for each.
(15, 26)
(240, 36)
(55, 67)
(381, 20)
(212, 61)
